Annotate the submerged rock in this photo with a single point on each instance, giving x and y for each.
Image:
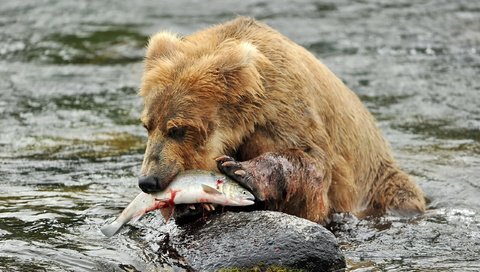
(246, 240)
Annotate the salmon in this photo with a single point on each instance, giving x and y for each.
(188, 187)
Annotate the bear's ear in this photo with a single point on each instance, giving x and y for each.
(161, 45)
(237, 56)
(238, 66)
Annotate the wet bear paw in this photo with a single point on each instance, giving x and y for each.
(240, 173)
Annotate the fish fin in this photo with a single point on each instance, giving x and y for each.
(210, 190)
(167, 213)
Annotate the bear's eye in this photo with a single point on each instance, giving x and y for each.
(177, 133)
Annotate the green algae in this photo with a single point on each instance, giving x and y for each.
(109, 145)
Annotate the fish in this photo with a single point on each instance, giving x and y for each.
(188, 187)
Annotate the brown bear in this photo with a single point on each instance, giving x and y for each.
(274, 117)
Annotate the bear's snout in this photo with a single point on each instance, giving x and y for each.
(151, 184)
(158, 167)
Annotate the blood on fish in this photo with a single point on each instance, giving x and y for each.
(219, 182)
(157, 205)
(173, 194)
(166, 206)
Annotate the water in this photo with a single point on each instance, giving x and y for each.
(71, 142)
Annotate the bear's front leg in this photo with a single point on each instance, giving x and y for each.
(289, 181)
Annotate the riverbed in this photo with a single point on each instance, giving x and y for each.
(71, 143)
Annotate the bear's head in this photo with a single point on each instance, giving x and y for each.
(201, 99)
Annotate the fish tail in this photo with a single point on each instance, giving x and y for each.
(112, 228)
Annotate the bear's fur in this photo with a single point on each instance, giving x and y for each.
(292, 131)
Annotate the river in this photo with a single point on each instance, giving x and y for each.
(71, 143)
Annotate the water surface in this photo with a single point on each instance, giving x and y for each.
(71, 143)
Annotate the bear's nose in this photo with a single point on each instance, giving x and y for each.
(149, 184)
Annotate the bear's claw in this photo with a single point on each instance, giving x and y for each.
(235, 170)
(229, 166)
(224, 158)
(240, 173)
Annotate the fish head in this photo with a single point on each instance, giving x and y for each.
(245, 198)
(237, 195)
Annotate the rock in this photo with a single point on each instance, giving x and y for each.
(246, 240)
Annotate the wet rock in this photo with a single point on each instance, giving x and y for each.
(247, 240)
